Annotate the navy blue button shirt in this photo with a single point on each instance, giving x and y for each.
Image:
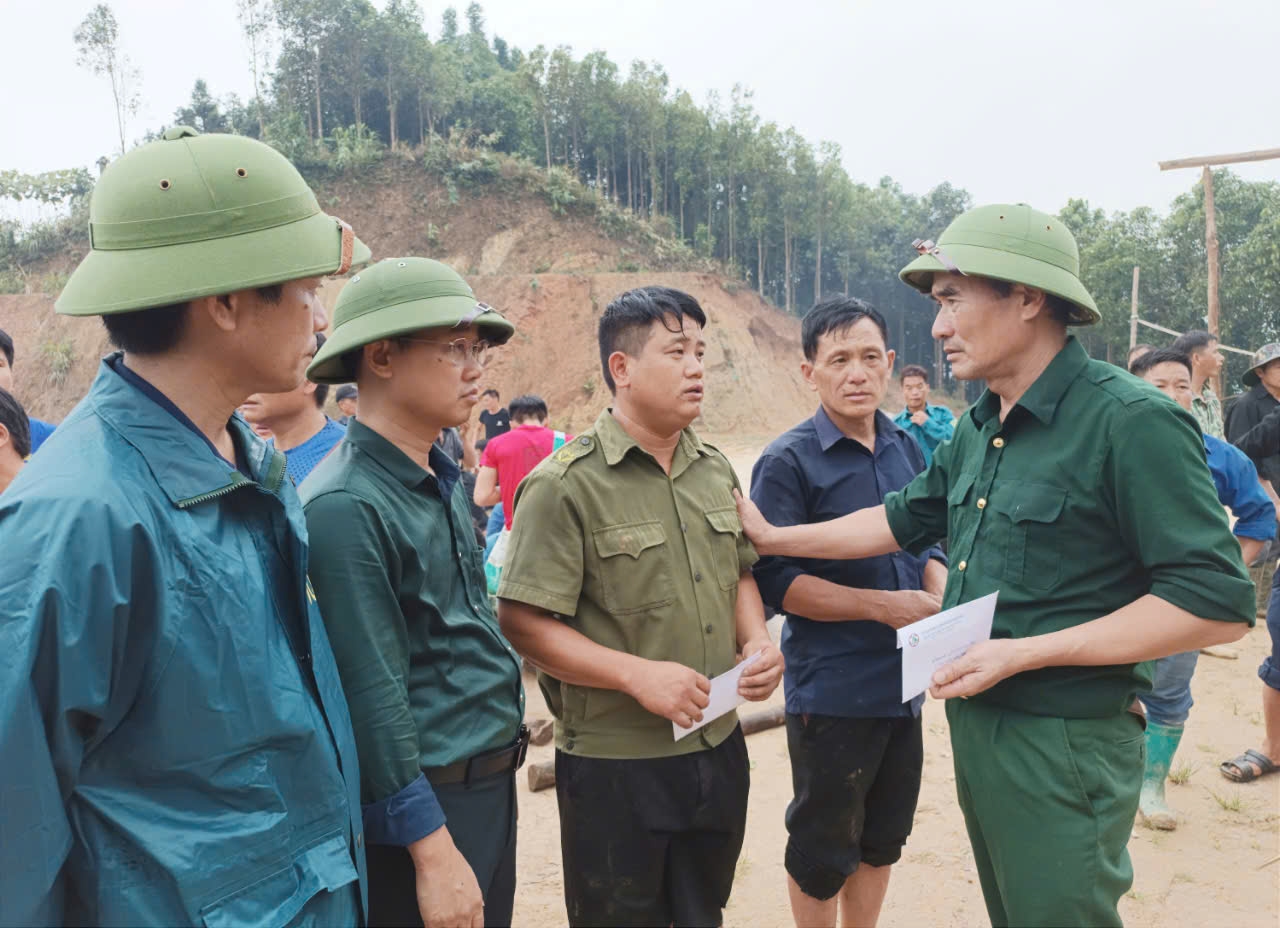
(814, 473)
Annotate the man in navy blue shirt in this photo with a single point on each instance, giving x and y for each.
(856, 749)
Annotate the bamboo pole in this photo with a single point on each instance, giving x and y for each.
(1211, 248)
(1264, 154)
(1133, 312)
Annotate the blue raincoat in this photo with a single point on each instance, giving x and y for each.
(174, 743)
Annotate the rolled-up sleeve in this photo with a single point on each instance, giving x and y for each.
(1240, 491)
(1169, 514)
(777, 489)
(351, 554)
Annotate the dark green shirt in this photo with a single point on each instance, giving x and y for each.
(637, 561)
(1093, 492)
(399, 577)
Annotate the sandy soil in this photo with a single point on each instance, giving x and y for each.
(1211, 870)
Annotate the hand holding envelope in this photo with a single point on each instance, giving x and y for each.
(932, 644)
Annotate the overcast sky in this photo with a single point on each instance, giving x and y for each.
(1010, 99)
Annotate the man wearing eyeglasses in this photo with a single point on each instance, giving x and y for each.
(433, 687)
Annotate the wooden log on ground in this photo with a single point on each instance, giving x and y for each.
(541, 731)
(542, 775)
(763, 721)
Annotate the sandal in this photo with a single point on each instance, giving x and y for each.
(1248, 767)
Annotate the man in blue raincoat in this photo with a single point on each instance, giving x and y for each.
(176, 747)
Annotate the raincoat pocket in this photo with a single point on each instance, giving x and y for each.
(277, 899)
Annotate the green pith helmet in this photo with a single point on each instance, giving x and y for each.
(395, 297)
(193, 215)
(1014, 243)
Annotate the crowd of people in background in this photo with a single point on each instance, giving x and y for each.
(264, 665)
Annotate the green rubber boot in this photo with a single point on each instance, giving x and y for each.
(1162, 744)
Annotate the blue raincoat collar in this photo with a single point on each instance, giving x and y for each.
(183, 463)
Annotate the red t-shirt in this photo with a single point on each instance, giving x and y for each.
(513, 455)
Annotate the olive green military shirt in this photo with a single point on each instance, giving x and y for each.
(637, 561)
(399, 579)
(1093, 492)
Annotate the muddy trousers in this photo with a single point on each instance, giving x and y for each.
(1049, 804)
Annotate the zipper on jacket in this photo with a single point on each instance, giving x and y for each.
(237, 481)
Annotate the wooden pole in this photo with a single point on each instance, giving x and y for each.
(1265, 154)
(1211, 248)
(1133, 312)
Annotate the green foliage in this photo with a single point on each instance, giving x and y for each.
(355, 147)
(561, 190)
(54, 187)
(54, 282)
(60, 355)
(11, 281)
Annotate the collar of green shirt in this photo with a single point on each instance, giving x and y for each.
(400, 465)
(1043, 396)
(615, 442)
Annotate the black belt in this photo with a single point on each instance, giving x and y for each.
(511, 758)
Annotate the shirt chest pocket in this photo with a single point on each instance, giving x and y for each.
(725, 529)
(635, 567)
(1027, 548)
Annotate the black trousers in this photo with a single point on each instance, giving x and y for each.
(652, 841)
(481, 818)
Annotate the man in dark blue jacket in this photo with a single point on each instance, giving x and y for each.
(856, 749)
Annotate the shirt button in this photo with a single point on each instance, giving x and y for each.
(710, 629)
(360, 839)
(569, 744)
(697, 577)
(962, 565)
(684, 527)
(998, 442)
(982, 503)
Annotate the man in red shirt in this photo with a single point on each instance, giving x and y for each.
(508, 458)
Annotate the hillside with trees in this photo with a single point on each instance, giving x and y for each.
(452, 114)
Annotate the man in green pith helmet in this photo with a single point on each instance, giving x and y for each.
(434, 689)
(177, 746)
(1101, 562)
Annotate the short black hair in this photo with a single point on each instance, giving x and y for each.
(1155, 356)
(14, 418)
(1063, 311)
(6, 346)
(322, 389)
(1194, 341)
(628, 319)
(490, 392)
(528, 406)
(347, 391)
(838, 315)
(915, 370)
(159, 329)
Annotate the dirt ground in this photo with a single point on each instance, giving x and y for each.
(1212, 870)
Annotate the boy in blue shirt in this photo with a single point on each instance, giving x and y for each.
(1169, 702)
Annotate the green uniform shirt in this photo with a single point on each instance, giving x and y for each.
(1207, 409)
(1093, 492)
(400, 582)
(637, 561)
